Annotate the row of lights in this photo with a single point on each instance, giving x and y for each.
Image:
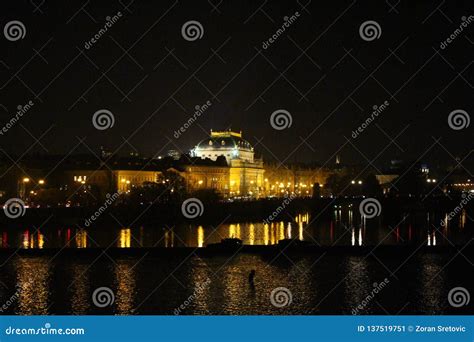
(27, 180)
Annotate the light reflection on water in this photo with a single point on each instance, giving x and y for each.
(80, 289)
(126, 286)
(344, 228)
(32, 281)
(159, 285)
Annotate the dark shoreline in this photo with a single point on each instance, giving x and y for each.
(230, 212)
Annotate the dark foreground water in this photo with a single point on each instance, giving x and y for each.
(407, 267)
(320, 283)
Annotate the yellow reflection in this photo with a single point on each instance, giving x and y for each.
(282, 231)
(125, 238)
(288, 230)
(40, 240)
(353, 239)
(273, 229)
(26, 239)
(302, 218)
(360, 236)
(81, 238)
(300, 231)
(200, 236)
(462, 219)
(125, 277)
(266, 234)
(80, 301)
(234, 231)
(252, 234)
(169, 238)
(32, 240)
(32, 281)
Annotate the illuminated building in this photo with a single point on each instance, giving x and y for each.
(236, 173)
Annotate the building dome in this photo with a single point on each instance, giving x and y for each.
(229, 144)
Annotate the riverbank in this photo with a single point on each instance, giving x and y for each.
(215, 213)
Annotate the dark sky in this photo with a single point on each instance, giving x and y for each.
(320, 70)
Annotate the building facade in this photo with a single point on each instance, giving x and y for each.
(242, 175)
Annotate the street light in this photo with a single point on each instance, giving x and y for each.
(26, 180)
(41, 181)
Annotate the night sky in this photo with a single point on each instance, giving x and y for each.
(320, 70)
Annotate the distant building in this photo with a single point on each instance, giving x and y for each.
(240, 176)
